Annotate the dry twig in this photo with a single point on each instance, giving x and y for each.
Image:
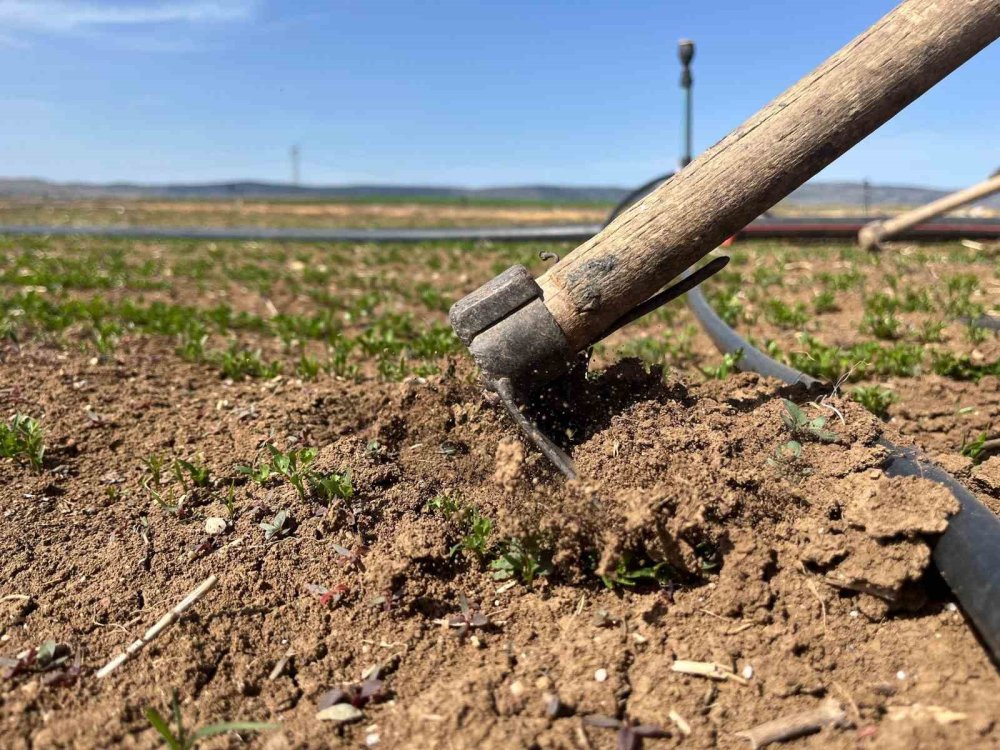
(162, 624)
(707, 669)
(829, 713)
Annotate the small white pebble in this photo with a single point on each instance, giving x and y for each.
(601, 675)
(639, 638)
(371, 739)
(853, 613)
(951, 607)
(747, 672)
(517, 688)
(901, 675)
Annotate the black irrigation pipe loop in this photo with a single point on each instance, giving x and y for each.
(769, 227)
(967, 555)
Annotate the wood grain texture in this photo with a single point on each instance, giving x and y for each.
(787, 142)
(872, 234)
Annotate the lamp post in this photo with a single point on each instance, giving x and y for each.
(685, 51)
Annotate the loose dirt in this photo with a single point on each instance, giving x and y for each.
(803, 577)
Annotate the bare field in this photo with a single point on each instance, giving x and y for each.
(398, 569)
(250, 213)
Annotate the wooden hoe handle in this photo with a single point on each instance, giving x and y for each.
(872, 234)
(787, 142)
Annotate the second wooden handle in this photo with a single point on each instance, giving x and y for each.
(787, 142)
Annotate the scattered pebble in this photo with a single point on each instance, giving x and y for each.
(517, 688)
(342, 713)
(901, 675)
(951, 607)
(747, 672)
(601, 675)
(371, 739)
(215, 525)
(853, 613)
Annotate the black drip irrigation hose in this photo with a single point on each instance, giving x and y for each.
(967, 555)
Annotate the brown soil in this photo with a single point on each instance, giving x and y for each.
(807, 578)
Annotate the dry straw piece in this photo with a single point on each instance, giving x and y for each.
(162, 624)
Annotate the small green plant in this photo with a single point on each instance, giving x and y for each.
(882, 325)
(238, 364)
(824, 302)
(230, 503)
(784, 315)
(154, 465)
(308, 367)
(192, 344)
(524, 559)
(787, 455)
(875, 399)
(444, 505)
(277, 526)
(631, 570)
(975, 448)
(930, 331)
(180, 739)
(476, 541)
(976, 334)
(21, 439)
(801, 426)
(332, 486)
(191, 473)
(729, 363)
(293, 466)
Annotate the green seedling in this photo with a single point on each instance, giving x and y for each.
(278, 526)
(930, 331)
(976, 334)
(240, 364)
(882, 325)
(631, 571)
(21, 439)
(784, 315)
(975, 449)
(728, 365)
(444, 505)
(230, 502)
(168, 504)
(824, 302)
(332, 486)
(308, 367)
(193, 339)
(961, 366)
(180, 739)
(476, 541)
(523, 559)
(786, 453)
(801, 426)
(875, 399)
(188, 473)
(154, 465)
(292, 466)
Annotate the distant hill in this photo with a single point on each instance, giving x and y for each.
(812, 193)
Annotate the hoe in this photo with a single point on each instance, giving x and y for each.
(527, 333)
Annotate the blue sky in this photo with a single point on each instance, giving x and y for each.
(446, 92)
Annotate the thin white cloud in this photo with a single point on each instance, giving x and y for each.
(68, 16)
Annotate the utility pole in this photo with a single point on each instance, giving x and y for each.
(866, 196)
(295, 164)
(685, 51)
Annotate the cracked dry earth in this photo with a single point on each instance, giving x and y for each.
(804, 580)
